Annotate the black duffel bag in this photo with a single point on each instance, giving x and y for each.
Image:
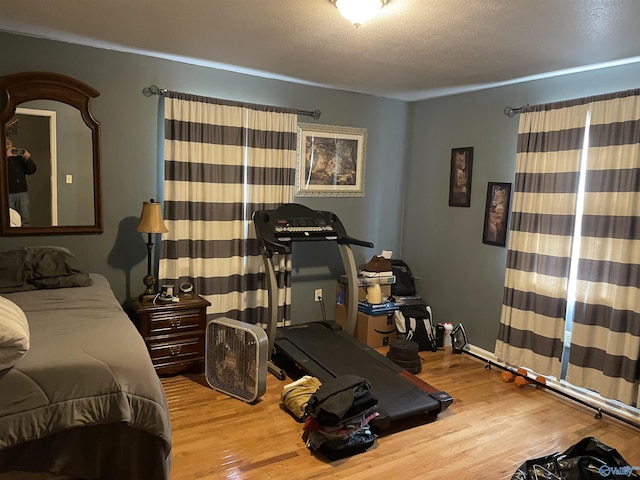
(589, 459)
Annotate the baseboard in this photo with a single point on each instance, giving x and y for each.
(614, 408)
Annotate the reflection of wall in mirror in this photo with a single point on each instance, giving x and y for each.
(75, 157)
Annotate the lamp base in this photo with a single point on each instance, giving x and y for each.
(145, 297)
(150, 293)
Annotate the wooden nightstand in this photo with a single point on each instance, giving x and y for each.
(174, 332)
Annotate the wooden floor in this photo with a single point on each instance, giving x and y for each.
(491, 429)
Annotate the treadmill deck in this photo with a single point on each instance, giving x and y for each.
(324, 350)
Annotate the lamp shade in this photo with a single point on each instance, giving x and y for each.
(151, 218)
(359, 11)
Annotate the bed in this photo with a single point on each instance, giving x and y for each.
(81, 399)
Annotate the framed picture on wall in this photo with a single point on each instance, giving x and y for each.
(331, 161)
(496, 214)
(460, 177)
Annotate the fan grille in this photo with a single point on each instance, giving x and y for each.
(233, 360)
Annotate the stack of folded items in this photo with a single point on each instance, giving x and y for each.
(405, 353)
(339, 413)
(383, 308)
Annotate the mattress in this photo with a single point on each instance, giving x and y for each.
(85, 401)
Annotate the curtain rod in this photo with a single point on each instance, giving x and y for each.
(155, 90)
(510, 111)
(544, 385)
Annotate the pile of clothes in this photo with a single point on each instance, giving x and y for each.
(296, 395)
(338, 416)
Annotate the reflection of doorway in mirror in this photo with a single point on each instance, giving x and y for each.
(36, 132)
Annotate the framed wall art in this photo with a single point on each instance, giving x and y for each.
(331, 161)
(460, 177)
(496, 214)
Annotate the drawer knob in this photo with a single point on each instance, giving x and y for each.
(175, 350)
(175, 322)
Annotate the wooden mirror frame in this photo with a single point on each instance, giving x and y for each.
(24, 87)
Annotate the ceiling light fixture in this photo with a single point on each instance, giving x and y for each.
(359, 11)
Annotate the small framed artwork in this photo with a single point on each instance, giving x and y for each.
(460, 177)
(331, 161)
(496, 214)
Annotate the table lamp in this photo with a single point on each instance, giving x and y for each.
(150, 222)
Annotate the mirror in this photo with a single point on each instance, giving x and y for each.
(48, 127)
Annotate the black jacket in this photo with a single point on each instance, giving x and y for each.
(339, 398)
(18, 168)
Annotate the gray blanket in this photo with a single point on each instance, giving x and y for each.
(87, 380)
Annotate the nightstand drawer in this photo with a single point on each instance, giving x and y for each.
(183, 350)
(177, 321)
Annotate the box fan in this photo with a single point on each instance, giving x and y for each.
(236, 356)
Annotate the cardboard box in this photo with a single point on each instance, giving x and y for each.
(374, 330)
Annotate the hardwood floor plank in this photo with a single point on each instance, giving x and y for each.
(488, 432)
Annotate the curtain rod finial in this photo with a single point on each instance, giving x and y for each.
(510, 111)
(153, 90)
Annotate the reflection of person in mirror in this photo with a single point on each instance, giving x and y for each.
(19, 166)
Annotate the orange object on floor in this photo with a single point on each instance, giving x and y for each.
(522, 379)
(507, 376)
(523, 382)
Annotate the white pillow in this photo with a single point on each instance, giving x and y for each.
(14, 334)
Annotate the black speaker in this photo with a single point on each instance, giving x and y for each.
(439, 335)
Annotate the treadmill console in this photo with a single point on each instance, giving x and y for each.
(286, 228)
(291, 222)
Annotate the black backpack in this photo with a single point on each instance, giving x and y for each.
(405, 286)
(415, 323)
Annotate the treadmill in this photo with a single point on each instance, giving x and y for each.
(324, 349)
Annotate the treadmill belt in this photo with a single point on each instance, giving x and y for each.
(323, 352)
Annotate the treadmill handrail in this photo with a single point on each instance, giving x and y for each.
(354, 241)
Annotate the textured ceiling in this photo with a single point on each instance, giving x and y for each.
(414, 49)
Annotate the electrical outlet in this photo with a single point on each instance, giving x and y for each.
(317, 295)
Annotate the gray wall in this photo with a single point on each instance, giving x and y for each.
(460, 276)
(129, 125)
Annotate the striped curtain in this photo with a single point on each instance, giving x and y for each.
(223, 161)
(605, 338)
(543, 217)
(573, 257)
